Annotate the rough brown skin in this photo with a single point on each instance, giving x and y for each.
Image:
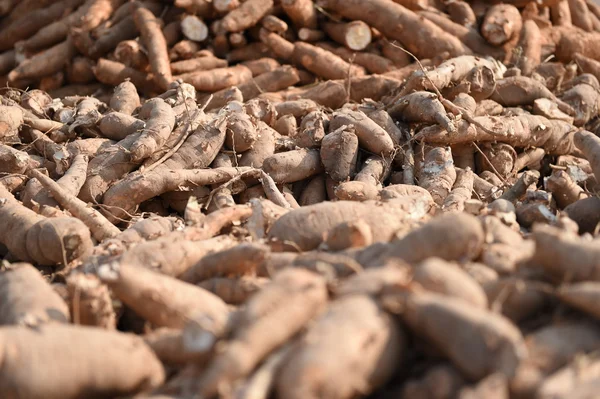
(549, 109)
(217, 79)
(44, 63)
(310, 372)
(421, 37)
(272, 81)
(467, 240)
(498, 158)
(58, 30)
(525, 130)
(372, 62)
(184, 49)
(323, 63)
(11, 118)
(160, 299)
(52, 82)
(106, 168)
(199, 150)
(148, 229)
(241, 132)
(168, 344)
(384, 119)
(589, 144)
(485, 342)
(488, 108)
(302, 13)
(451, 71)
(123, 197)
(421, 106)
(175, 252)
(565, 256)
(466, 102)
(114, 73)
(35, 20)
(14, 183)
(240, 260)
(13, 161)
(237, 40)
(283, 307)
(583, 98)
(80, 71)
(234, 291)
(200, 63)
(292, 166)
(99, 226)
(461, 13)
(521, 90)
(502, 24)
(330, 265)
(264, 147)
(31, 237)
(306, 227)
(314, 192)
(461, 191)
(199, 7)
(25, 350)
(374, 171)
(274, 24)
(117, 126)
(280, 47)
(527, 158)
(261, 109)
(125, 99)
(28, 299)
(531, 47)
(297, 108)
(438, 276)
(519, 189)
(262, 65)
(504, 248)
(122, 30)
(468, 35)
(437, 174)
(404, 190)
(71, 182)
(356, 191)
(246, 15)
(371, 136)
(90, 302)
(312, 130)
(160, 121)
(349, 235)
(574, 41)
(565, 191)
(151, 34)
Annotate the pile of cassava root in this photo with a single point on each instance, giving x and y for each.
(297, 199)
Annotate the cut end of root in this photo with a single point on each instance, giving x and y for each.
(194, 28)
